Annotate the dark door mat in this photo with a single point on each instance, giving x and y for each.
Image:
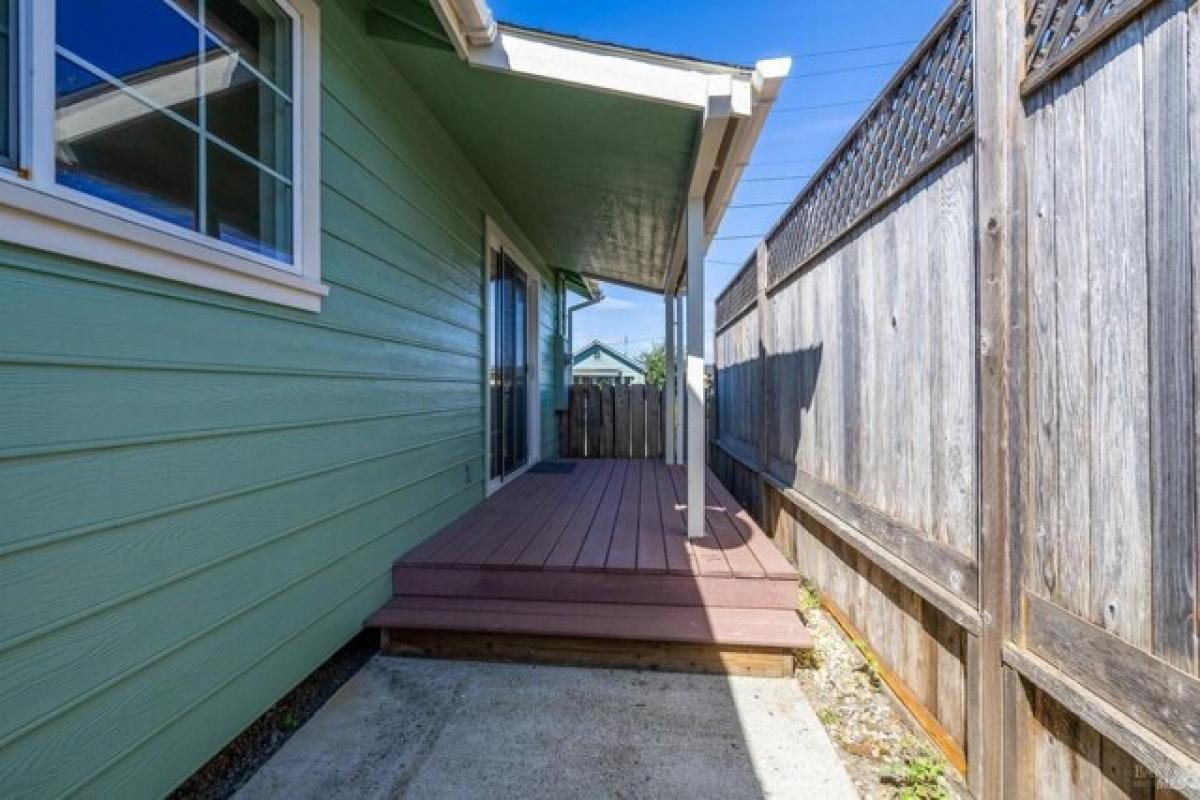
(552, 468)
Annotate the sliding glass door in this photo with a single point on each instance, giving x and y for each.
(508, 373)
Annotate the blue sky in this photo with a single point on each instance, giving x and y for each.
(793, 144)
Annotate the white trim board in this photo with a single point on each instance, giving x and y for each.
(496, 240)
(606, 69)
(718, 165)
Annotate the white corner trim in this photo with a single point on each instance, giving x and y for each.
(39, 213)
(608, 69)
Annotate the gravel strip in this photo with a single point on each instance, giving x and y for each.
(885, 756)
(225, 772)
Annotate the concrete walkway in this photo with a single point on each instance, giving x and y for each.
(441, 729)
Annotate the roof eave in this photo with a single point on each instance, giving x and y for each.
(733, 102)
(727, 140)
(468, 23)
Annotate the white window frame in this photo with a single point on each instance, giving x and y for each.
(37, 212)
(496, 241)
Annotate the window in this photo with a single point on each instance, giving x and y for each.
(193, 123)
(8, 78)
(185, 116)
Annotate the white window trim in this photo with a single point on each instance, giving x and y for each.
(495, 240)
(36, 212)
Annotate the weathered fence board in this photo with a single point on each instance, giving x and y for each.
(613, 421)
(654, 421)
(1172, 398)
(928, 368)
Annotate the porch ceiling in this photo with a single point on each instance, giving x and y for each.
(596, 180)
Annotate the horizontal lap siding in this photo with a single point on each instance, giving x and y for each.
(203, 494)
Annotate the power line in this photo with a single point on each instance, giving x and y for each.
(762, 205)
(858, 49)
(777, 178)
(818, 106)
(739, 236)
(812, 160)
(841, 70)
(624, 342)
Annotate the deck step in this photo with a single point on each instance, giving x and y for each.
(737, 627)
(596, 587)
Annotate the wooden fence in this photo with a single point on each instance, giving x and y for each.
(957, 383)
(612, 422)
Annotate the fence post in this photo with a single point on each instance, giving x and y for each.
(762, 275)
(999, 46)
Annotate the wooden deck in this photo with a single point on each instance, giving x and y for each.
(600, 553)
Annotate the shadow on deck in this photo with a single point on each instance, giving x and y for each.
(593, 565)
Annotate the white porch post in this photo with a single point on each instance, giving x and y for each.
(695, 367)
(680, 381)
(669, 384)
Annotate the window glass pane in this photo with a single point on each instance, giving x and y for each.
(259, 32)
(7, 56)
(114, 147)
(245, 112)
(123, 62)
(148, 44)
(247, 206)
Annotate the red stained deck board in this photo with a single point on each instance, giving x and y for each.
(622, 550)
(490, 526)
(773, 562)
(651, 552)
(539, 547)
(423, 552)
(467, 531)
(614, 515)
(480, 547)
(706, 551)
(770, 628)
(742, 562)
(594, 587)
(679, 555)
(594, 551)
(563, 488)
(563, 553)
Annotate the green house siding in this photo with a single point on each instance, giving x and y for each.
(202, 494)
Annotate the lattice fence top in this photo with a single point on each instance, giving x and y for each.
(1059, 31)
(739, 295)
(924, 113)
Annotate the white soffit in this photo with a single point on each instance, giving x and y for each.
(734, 101)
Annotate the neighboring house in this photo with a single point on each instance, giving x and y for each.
(283, 294)
(601, 365)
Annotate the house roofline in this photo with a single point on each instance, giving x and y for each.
(624, 359)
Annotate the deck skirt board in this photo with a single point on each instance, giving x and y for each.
(596, 562)
(768, 628)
